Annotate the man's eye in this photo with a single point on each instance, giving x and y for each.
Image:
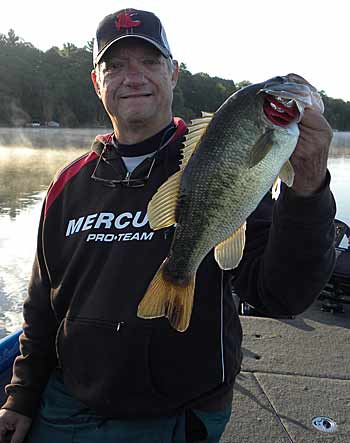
(112, 66)
(151, 61)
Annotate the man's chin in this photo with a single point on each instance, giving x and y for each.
(136, 116)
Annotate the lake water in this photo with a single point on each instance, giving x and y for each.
(28, 160)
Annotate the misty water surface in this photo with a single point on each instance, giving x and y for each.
(29, 159)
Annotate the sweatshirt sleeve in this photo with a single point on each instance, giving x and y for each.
(37, 357)
(289, 254)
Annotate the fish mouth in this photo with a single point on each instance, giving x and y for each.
(296, 88)
(280, 111)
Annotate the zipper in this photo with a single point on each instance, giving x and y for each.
(116, 326)
(59, 364)
(222, 326)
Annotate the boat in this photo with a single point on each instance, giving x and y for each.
(9, 350)
(295, 380)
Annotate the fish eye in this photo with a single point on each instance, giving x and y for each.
(274, 80)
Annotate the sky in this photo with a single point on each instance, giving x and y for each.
(233, 39)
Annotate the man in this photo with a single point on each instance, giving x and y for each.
(109, 375)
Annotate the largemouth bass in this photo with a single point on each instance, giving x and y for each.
(231, 159)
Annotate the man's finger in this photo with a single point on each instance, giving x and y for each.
(314, 120)
(20, 433)
(5, 435)
(4, 429)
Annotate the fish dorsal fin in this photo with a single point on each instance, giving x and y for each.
(162, 207)
(261, 148)
(196, 131)
(228, 253)
(287, 173)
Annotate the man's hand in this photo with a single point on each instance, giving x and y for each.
(310, 156)
(15, 423)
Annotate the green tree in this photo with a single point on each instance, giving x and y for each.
(243, 84)
(12, 39)
(68, 49)
(89, 47)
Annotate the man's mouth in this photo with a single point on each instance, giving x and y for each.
(139, 95)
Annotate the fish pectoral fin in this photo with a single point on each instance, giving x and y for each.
(228, 253)
(165, 299)
(162, 207)
(261, 148)
(287, 173)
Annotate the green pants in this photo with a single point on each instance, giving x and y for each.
(63, 419)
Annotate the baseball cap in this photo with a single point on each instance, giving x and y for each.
(128, 23)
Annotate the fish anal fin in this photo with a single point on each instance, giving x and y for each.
(162, 207)
(228, 253)
(261, 148)
(287, 173)
(163, 298)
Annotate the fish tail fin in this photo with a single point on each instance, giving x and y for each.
(164, 298)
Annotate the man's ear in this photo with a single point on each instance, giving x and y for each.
(175, 74)
(95, 83)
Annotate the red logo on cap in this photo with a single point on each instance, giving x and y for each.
(125, 20)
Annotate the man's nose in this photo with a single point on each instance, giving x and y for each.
(134, 75)
(134, 78)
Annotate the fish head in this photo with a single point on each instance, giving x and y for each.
(268, 114)
(286, 97)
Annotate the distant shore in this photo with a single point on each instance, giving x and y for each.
(44, 137)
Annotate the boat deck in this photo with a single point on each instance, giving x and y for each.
(293, 371)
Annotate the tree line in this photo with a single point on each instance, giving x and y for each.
(55, 86)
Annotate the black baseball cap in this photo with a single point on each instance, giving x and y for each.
(130, 23)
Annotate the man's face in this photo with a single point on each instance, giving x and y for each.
(135, 84)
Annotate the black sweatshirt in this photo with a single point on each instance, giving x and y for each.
(96, 255)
